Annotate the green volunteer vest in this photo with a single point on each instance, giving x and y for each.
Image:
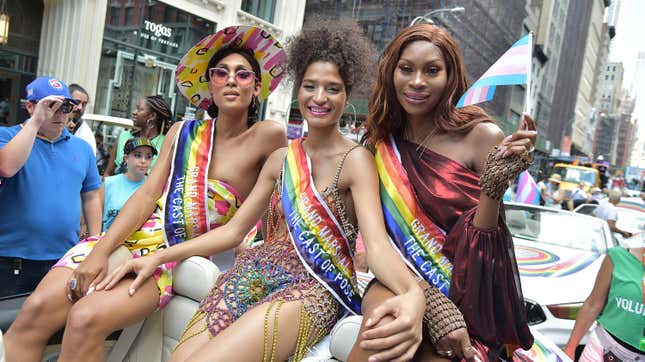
(624, 313)
(126, 135)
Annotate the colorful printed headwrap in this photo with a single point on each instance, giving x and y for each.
(190, 74)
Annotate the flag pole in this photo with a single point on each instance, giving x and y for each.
(527, 95)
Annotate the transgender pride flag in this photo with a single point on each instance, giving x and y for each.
(527, 190)
(514, 67)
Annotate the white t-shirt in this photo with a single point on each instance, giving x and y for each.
(85, 133)
(606, 211)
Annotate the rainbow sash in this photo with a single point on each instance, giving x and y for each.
(317, 236)
(414, 235)
(186, 207)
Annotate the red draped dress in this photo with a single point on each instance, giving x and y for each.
(485, 284)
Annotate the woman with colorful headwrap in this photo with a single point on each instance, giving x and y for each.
(204, 171)
(152, 118)
(443, 171)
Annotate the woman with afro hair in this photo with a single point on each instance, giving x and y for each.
(282, 297)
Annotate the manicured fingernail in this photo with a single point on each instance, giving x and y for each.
(372, 359)
(131, 291)
(90, 291)
(369, 322)
(507, 139)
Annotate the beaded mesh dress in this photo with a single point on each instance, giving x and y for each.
(273, 273)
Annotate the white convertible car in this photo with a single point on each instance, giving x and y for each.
(558, 255)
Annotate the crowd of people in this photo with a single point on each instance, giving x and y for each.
(423, 189)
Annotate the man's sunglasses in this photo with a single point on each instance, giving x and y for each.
(66, 107)
(242, 77)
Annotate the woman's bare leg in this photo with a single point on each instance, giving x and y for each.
(95, 316)
(377, 294)
(244, 340)
(42, 315)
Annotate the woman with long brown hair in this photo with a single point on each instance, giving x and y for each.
(443, 171)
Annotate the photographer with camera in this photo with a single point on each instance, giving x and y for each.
(47, 175)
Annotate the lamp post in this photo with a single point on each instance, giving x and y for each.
(426, 17)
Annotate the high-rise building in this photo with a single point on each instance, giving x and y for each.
(123, 50)
(610, 84)
(483, 32)
(546, 19)
(625, 133)
(595, 53)
(638, 86)
(638, 91)
(568, 75)
(608, 97)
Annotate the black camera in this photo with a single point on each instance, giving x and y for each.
(66, 107)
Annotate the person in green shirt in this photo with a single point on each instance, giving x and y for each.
(152, 119)
(617, 304)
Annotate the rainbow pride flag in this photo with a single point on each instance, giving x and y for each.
(631, 205)
(511, 68)
(543, 350)
(527, 190)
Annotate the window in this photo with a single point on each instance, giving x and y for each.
(129, 16)
(115, 14)
(263, 9)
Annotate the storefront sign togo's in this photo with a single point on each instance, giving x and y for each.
(158, 29)
(159, 32)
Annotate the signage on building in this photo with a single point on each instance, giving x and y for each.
(158, 32)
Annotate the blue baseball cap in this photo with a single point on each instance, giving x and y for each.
(42, 87)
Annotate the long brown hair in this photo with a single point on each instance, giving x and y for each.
(385, 115)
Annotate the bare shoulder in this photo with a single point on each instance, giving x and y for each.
(269, 128)
(485, 134)
(480, 140)
(359, 163)
(359, 155)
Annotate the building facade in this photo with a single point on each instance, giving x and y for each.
(638, 91)
(124, 50)
(547, 19)
(625, 134)
(595, 54)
